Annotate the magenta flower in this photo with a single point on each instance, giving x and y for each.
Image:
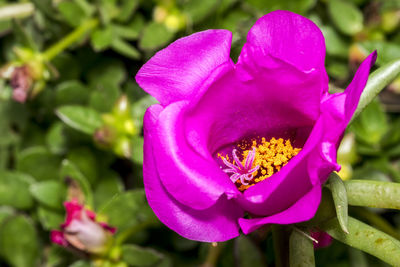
(201, 176)
(81, 231)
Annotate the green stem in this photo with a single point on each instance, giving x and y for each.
(281, 246)
(213, 254)
(70, 39)
(20, 10)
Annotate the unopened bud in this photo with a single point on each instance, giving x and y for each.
(123, 147)
(82, 232)
(21, 82)
(104, 136)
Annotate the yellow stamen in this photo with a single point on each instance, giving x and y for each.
(270, 156)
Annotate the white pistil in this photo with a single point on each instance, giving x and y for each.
(240, 171)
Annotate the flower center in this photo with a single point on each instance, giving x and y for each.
(257, 160)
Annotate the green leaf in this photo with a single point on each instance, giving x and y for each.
(23, 36)
(346, 16)
(137, 256)
(378, 80)
(124, 48)
(71, 92)
(108, 186)
(297, 6)
(68, 67)
(366, 238)
(198, 10)
(335, 45)
(392, 136)
(108, 10)
(127, 210)
(301, 250)
(85, 160)
(373, 194)
(339, 195)
(155, 35)
(6, 212)
(69, 170)
(127, 9)
(39, 163)
(50, 219)
(81, 263)
(357, 258)
(248, 253)
(80, 118)
(387, 51)
(19, 243)
(371, 125)
(127, 32)
(55, 138)
(104, 96)
(14, 189)
(338, 70)
(73, 14)
(49, 193)
(109, 71)
(101, 39)
(376, 220)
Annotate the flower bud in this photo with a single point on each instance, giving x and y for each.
(105, 136)
(21, 82)
(82, 232)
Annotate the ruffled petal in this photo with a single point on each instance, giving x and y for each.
(357, 85)
(231, 109)
(176, 72)
(193, 179)
(215, 224)
(288, 37)
(337, 111)
(304, 209)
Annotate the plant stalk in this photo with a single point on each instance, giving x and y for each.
(213, 254)
(70, 39)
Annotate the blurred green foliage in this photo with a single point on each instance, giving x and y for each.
(77, 130)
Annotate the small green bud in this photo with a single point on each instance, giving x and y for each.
(123, 147)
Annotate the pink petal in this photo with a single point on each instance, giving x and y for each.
(288, 37)
(217, 223)
(58, 238)
(73, 211)
(304, 209)
(178, 71)
(337, 111)
(193, 179)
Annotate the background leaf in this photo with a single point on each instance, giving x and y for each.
(19, 242)
(81, 118)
